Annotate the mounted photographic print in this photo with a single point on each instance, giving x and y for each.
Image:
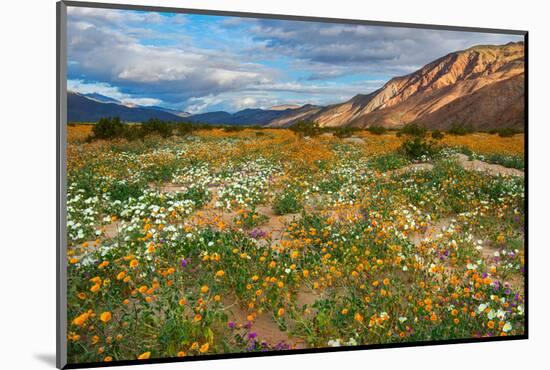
(236, 184)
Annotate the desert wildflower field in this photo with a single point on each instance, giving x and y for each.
(253, 240)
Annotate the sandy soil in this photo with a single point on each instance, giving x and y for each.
(492, 169)
(474, 165)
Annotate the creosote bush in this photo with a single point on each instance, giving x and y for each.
(346, 131)
(156, 126)
(460, 129)
(417, 148)
(413, 129)
(505, 132)
(108, 128)
(416, 145)
(377, 130)
(437, 135)
(112, 128)
(306, 128)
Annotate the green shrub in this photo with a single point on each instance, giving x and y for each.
(183, 129)
(156, 126)
(418, 148)
(460, 130)
(108, 128)
(132, 133)
(413, 129)
(510, 161)
(377, 130)
(343, 132)
(122, 190)
(330, 184)
(507, 132)
(287, 202)
(159, 173)
(437, 135)
(197, 194)
(306, 128)
(466, 151)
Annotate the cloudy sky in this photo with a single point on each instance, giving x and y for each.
(201, 63)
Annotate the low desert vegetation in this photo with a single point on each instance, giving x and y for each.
(306, 129)
(505, 132)
(376, 130)
(460, 129)
(186, 240)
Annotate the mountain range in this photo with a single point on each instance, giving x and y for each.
(482, 87)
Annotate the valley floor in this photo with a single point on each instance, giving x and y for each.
(223, 242)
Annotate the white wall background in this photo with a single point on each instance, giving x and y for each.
(27, 181)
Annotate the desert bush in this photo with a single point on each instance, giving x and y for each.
(417, 148)
(510, 161)
(306, 128)
(458, 129)
(346, 131)
(108, 128)
(156, 126)
(377, 130)
(122, 190)
(437, 135)
(183, 129)
(506, 132)
(413, 129)
(132, 133)
(159, 173)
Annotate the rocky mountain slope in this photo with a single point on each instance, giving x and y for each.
(422, 96)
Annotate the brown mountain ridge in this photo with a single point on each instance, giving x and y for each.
(482, 87)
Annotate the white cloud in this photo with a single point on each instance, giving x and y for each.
(114, 15)
(173, 73)
(245, 102)
(142, 101)
(102, 88)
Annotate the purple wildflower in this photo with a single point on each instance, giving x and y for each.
(257, 233)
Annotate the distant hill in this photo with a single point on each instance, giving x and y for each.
(81, 108)
(284, 106)
(172, 111)
(92, 107)
(101, 98)
(211, 117)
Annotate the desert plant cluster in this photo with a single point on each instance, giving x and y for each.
(211, 241)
